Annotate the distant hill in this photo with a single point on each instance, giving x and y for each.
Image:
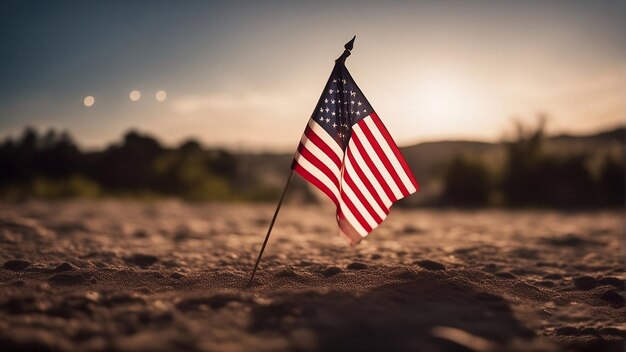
(618, 134)
(425, 158)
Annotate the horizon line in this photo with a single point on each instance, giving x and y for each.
(242, 148)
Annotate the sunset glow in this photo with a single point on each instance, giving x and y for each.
(431, 69)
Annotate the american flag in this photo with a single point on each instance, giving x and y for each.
(348, 154)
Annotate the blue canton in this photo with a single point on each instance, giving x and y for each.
(341, 105)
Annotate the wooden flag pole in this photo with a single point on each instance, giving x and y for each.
(269, 231)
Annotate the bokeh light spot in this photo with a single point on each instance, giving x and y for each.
(89, 100)
(161, 96)
(135, 95)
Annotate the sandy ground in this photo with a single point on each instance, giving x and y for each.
(109, 276)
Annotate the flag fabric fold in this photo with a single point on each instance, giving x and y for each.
(347, 153)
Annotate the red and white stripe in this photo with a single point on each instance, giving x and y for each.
(364, 181)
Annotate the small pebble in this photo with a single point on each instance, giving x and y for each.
(67, 279)
(356, 266)
(64, 267)
(430, 264)
(588, 331)
(612, 331)
(505, 275)
(490, 268)
(142, 260)
(612, 281)
(16, 264)
(585, 282)
(567, 331)
(117, 299)
(410, 229)
(202, 303)
(287, 273)
(546, 283)
(176, 275)
(331, 271)
(568, 240)
(140, 234)
(613, 298)
(553, 276)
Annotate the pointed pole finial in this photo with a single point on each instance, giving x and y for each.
(349, 45)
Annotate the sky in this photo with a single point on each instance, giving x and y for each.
(247, 75)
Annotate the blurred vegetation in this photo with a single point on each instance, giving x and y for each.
(51, 166)
(531, 175)
(467, 182)
(527, 170)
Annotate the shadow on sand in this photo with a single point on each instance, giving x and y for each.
(398, 316)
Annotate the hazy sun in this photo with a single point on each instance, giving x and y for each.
(446, 101)
(441, 98)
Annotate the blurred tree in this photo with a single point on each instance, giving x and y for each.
(190, 147)
(467, 182)
(224, 164)
(129, 167)
(533, 178)
(8, 161)
(612, 182)
(58, 156)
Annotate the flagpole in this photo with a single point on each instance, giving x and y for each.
(269, 231)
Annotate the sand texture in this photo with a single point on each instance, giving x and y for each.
(165, 276)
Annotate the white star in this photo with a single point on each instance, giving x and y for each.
(358, 113)
(364, 110)
(333, 113)
(352, 102)
(334, 125)
(334, 81)
(344, 81)
(327, 120)
(332, 101)
(327, 109)
(321, 118)
(353, 93)
(321, 110)
(359, 103)
(331, 91)
(326, 101)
